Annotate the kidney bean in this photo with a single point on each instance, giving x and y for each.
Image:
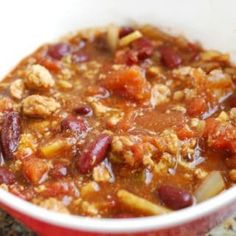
(74, 124)
(144, 48)
(82, 110)
(6, 176)
(94, 153)
(125, 31)
(174, 197)
(232, 100)
(59, 50)
(170, 58)
(10, 134)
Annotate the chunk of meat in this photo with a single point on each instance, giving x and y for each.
(17, 89)
(6, 104)
(38, 77)
(54, 205)
(133, 150)
(169, 142)
(39, 106)
(160, 93)
(101, 173)
(35, 170)
(129, 83)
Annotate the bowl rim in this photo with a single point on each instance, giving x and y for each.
(129, 225)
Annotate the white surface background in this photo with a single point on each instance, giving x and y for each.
(26, 24)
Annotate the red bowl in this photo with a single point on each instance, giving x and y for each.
(192, 221)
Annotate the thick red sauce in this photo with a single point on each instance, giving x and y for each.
(119, 122)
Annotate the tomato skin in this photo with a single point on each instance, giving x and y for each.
(220, 136)
(196, 106)
(184, 133)
(52, 66)
(128, 82)
(34, 169)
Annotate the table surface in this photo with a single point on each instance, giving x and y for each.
(10, 227)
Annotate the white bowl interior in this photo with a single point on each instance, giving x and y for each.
(26, 24)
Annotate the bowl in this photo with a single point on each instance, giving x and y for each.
(27, 24)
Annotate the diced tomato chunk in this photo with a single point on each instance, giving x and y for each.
(52, 66)
(184, 133)
(211, 126)
(35, 169)
(196, 106)
(220, 135)
(138, 152)
(129, 83)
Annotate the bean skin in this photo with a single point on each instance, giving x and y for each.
(95, 153)
(170, 58)
(174, 197)
(10, 134)
(73, 124)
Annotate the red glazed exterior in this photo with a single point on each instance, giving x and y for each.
(194, 221)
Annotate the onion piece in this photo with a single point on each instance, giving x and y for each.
(130, 38)
(211, 185)
(112, 37)
(140, 204)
